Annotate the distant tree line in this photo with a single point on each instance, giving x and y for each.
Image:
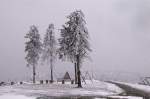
(73, 45)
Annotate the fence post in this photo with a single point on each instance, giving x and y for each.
(72, 81)
(41, 81)
(46, 81)
(63, 81)
(21, 83)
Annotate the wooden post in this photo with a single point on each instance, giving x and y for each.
(21, 83)
(46, 81)
(41, 81)
(63, 81)
(72, 81)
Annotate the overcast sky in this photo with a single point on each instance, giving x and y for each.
(119, 34)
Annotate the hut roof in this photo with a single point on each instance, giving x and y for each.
(66, 76)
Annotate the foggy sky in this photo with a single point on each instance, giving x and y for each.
(119, 34)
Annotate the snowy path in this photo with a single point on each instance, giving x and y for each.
(135, 89)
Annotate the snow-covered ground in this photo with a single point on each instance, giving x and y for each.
(91, 88)
(13, 96)
(121, 97)
(31, 91)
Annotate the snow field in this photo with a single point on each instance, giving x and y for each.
(91, 88)
(13, 96)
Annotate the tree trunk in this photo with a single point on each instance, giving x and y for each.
(75, 68)
(51, 66)
(78, 72)
(34, 73)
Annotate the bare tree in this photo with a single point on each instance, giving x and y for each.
(33, 48)
(74, 44)
(49, 48)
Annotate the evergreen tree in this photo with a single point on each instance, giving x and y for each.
(74, 44)
(33, 48)
(49, 48)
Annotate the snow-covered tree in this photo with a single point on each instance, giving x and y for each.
(74, 44)
(49, 48)
(33, 48)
